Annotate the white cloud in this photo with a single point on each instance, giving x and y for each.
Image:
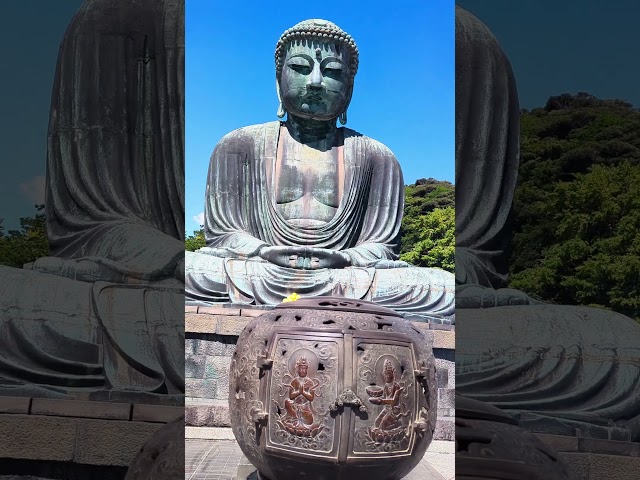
(199, 218)
(34, 189)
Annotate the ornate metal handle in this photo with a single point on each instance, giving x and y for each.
(420, 427)
(259, 417)
(421, 372)
(348, 397)
(264, 362)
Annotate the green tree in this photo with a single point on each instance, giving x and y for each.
(195, 241)
(26, 245)
(420, 199)
(576, 204)
(435, 243)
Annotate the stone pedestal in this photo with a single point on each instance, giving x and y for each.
(76, 439)
(211, 334)
(591, 459)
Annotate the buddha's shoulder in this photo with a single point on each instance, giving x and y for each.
(374, 148)
(249, 133)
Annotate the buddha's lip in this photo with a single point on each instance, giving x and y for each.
(312, 97)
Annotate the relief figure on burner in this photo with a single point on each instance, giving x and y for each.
(300, 415)
(389, 424)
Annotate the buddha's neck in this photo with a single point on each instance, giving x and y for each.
(309, 131)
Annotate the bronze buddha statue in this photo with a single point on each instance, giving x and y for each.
(301, 206)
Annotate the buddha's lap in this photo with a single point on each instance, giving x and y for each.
(28, 294)
(385, 280)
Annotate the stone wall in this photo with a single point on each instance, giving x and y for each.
(76, 439)
(210, 337)
(592, 459)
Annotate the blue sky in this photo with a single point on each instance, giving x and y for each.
(567, 46)
(30, 34)
(404, 89)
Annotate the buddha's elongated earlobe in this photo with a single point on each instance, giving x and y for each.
(343, 116)
(281, 111)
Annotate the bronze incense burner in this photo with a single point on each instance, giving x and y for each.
(327, 388)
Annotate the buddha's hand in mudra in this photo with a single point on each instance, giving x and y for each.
(307, 258)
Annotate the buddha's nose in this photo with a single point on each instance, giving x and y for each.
(315, 79)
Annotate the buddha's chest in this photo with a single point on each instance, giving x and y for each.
(308, 183)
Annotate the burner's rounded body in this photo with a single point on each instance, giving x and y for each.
(329, 389)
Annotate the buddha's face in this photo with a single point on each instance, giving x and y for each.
(302, 370)
(314, 82)
(388, 375)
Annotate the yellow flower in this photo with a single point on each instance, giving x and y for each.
(291, 298)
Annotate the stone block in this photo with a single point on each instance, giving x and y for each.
(103, 442)
(32, 437)
(197, 323)
(450, 367)
(446, 398)
(253, 312)
(440, 326)
(445, 429)
(218, 311)
(220, 345)
(228, 325)
(15, 404)
(446, 412)
(223, 388)
(444, 339)
(194, 366)
(80, 409)
(218, 368)
(560, 443)
(214, 414)
(156, 413)
(442, 377)
(609, 447)
(578, 463)
(201, 388)
(613, 467)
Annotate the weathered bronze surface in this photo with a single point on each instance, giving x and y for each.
(336, 394)
(302, 206)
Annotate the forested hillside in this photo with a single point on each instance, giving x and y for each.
(577, 205)
(18, 247)
(428, 225)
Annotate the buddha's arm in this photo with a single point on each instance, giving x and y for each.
(370, 253)
(237, 244)
(380, 236)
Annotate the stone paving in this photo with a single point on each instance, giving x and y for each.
(207, 459)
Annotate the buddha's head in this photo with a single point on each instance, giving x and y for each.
(316, 64)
